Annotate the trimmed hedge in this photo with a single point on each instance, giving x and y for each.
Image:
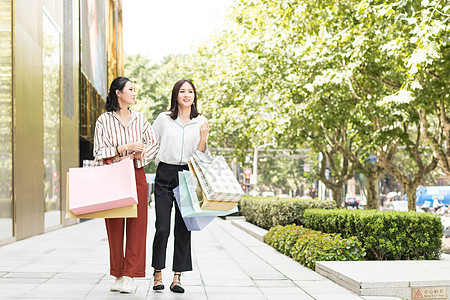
(273, 211)
(385, 235)
(308, 246)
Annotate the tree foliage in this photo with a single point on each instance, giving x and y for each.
(350, 79)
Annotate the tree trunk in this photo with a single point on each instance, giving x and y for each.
(373, 190)
(438, 140)
(337, 195)
(341, 175)
(411, 192)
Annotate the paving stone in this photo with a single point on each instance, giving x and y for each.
(88, 280)
(236, 296)
(275, 283)
(46, 275)
(6, 280)
(60, 291)
(228, 282)
(282, 291)
(232, 289)
(13, 290)
(273, 276)
(80, 275)
(326, 290)
(296, 296)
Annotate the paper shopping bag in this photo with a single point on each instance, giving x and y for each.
(203, 200)
(120, 212)
(188, 202)
(217, 180)
(100, 188)
(200, 202)
(197, 223)
(192, 223)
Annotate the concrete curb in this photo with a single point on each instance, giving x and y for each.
(253, 230)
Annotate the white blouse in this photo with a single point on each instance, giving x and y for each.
(177, 143)
(111, 132)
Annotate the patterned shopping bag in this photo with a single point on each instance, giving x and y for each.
(188, 202)
(217, 182)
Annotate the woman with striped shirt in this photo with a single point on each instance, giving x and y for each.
(123, 133)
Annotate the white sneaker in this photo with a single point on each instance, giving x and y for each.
(116, 285)
(127, 283)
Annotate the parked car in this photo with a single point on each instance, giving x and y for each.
(351, 202)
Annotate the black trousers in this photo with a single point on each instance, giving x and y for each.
(166, 180)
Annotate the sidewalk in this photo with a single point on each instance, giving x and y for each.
(72, 263)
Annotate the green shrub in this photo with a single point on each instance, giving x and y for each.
(273, 211)
(384, 234)
(308, 246)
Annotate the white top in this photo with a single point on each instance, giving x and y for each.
(177, 143)
(111, 132)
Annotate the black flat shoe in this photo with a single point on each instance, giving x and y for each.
(157, 283)
(176, 285)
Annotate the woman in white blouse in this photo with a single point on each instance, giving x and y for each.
(122, 133)
(180, 132)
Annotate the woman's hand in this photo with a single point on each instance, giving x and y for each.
(117, 158)
(204, 130)
(139, 156)
(134, 147)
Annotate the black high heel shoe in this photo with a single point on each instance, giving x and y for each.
(176, 284)
(157, 283)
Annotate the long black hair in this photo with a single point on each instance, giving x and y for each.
(174, 101)
(112, 104)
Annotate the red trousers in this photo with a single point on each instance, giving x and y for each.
(131, 264)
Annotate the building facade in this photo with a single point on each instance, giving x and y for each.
(57, 58)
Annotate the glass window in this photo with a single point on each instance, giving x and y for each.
(52, 119)
(6, 203)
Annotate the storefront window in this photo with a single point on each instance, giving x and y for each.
(52, 119)
(6, 202)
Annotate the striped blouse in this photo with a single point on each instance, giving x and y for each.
(111, 132)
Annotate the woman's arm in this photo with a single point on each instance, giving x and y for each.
(101, 151)
(151, 147)
(204, 130)
(202, 148)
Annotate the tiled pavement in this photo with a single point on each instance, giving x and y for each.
(72, 263)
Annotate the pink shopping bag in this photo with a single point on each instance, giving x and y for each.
(101, 188)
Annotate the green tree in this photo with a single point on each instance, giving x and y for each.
(351, 63)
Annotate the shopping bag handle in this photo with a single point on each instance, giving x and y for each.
(208, 161)
(93, 162)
